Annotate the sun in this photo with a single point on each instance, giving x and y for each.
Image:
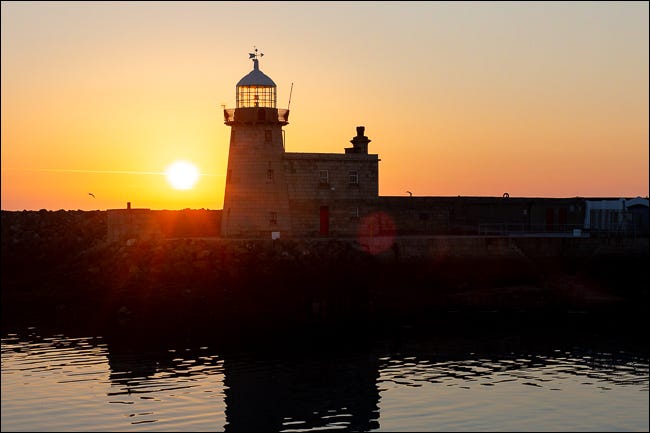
(182, 175)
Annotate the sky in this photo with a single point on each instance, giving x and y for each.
(536, 99)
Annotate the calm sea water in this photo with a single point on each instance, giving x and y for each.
(409, 379)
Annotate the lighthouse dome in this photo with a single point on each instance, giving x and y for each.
(256, 78)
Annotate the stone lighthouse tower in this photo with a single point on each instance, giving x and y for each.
(256, 202)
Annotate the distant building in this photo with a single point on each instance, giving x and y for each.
(623, 216)
(125, 224)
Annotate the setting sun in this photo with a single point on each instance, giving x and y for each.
(182, 175)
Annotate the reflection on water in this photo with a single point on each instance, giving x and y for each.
(311, 391)
(402, 380)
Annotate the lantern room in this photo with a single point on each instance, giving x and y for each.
(256, 89)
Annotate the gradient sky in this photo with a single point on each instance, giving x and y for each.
(533, 99)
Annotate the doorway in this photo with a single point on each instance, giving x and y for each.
(324, 221)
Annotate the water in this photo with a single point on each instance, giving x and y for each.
(406, 379)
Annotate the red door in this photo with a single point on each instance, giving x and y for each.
(324, 221)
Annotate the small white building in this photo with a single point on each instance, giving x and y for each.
(614, 215)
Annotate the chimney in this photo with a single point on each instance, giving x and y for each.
(359, 143)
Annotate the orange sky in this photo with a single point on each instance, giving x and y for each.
(533, 99)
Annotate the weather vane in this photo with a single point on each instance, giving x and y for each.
(254, 55)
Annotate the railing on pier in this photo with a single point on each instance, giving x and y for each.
(523, 229)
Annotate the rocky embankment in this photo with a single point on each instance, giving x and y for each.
(59, 265)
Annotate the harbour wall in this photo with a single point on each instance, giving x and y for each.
(61, 264)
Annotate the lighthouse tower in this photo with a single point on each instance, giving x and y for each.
(256, 202)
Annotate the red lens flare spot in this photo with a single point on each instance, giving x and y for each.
(376, 232)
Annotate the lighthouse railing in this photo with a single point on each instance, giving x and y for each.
(247, 114)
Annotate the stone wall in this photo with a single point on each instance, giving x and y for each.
(59, 264)
(303, 175)
(143, 224)
(482, 215)
(131, 223)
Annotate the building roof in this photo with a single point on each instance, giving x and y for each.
(637, 201)
(256, 78)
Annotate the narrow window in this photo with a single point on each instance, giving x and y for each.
(269, 175)
(353, 175)
(267, 136)
(354, 214)
(324, 177)
(273, 218)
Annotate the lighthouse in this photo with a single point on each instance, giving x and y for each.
(256, 202)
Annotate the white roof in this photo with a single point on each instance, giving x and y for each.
(636, 202)
(256, 78)
(619, 204)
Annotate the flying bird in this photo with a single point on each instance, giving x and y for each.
(410, 193)
(91, 194)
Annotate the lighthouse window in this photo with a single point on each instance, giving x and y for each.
(267, 136)
(256, 96)
(353, 176)
(323, 177)
(269, 175)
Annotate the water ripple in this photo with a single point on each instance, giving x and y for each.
(87, 383)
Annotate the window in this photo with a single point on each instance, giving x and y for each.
(268, 137)
(269, 175)
(273, 218)
(354, 214)
(323, 177)
(256, 96)
(353, 176)
(229, 176)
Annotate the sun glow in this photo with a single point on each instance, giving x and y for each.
(182, 175)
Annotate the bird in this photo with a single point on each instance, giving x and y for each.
(91, 194)
(410, 193)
